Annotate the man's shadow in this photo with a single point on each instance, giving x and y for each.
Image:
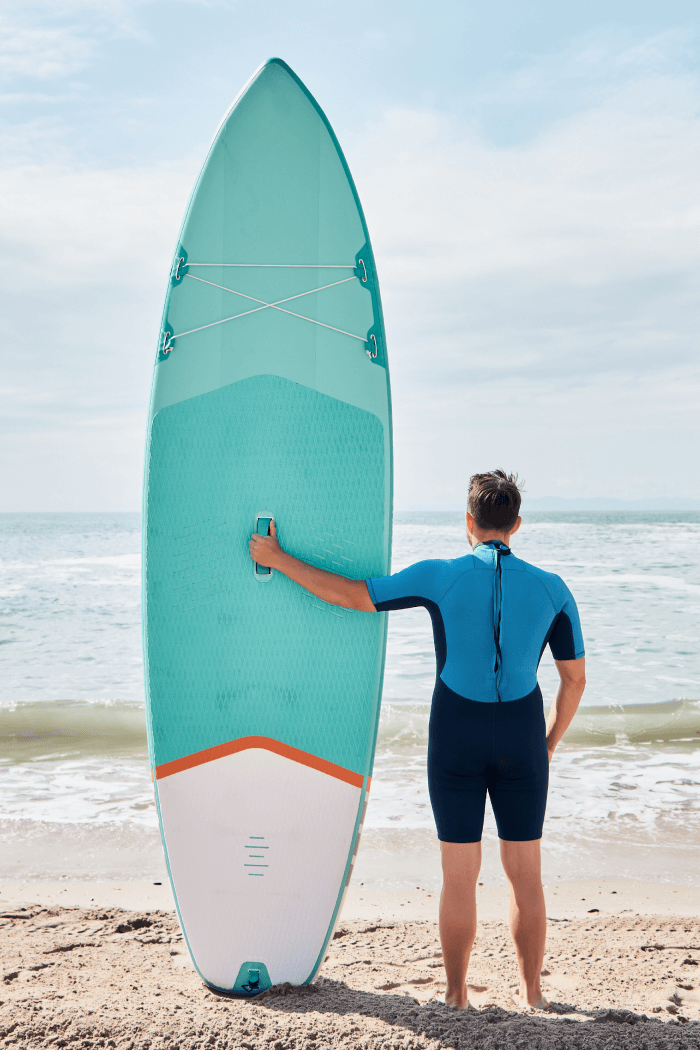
(434, 1021)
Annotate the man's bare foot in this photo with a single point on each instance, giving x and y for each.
(456, 1001)
(524, 1002)
(461, 1002)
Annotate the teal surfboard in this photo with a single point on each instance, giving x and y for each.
(270, 400)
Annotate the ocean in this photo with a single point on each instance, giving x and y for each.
(75, 792)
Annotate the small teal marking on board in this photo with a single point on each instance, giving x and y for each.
(255, 844)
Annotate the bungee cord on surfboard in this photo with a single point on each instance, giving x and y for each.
(169, 338)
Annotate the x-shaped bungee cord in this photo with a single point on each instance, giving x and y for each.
(169, 338)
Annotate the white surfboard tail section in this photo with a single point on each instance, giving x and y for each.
(257, 843)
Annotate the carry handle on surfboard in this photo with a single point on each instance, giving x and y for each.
(262, 528)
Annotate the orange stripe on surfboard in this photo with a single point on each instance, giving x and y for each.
(231, 747)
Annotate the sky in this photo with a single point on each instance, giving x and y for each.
(529, 174)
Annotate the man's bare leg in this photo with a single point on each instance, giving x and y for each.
(528, 918)
(461, 862)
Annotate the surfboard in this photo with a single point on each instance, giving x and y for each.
(270, 399)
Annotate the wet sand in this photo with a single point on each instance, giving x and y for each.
(107, 967)
(564, 899)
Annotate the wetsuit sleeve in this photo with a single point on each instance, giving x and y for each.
(407, 589)
(565, 638)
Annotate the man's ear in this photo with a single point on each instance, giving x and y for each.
(517, 525)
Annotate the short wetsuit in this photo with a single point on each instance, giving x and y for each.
(493, 615)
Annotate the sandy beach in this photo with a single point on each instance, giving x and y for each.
(90, 964)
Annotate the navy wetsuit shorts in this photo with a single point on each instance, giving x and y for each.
(499, 749)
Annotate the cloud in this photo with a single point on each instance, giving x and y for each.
(68, 227)
(543, 295)
(581, 228)
(30, 51)
(516, 105)
(84, 257)
(619, 435)
(53, 39)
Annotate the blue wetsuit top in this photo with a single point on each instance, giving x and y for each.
(493, 614)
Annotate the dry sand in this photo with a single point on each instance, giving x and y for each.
(103, 976)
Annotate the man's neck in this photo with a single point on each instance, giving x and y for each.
(477, 537)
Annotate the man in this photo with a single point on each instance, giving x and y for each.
(493, 615)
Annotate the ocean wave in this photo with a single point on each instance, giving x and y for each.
(51, 730)
(36, 730)
(405, 725)
(636, 723)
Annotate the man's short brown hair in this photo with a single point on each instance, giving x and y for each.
(494, 500)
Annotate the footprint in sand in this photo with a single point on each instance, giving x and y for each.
(390, 985)
(181, 960)
(563, 981)
(478, 993)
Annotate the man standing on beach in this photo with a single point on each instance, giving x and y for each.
(492, 615)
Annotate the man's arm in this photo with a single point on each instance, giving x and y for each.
(328, 586)
(573, 681)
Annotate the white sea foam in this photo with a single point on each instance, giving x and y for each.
(79, 791)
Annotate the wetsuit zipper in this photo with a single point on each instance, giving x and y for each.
(497, 603)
